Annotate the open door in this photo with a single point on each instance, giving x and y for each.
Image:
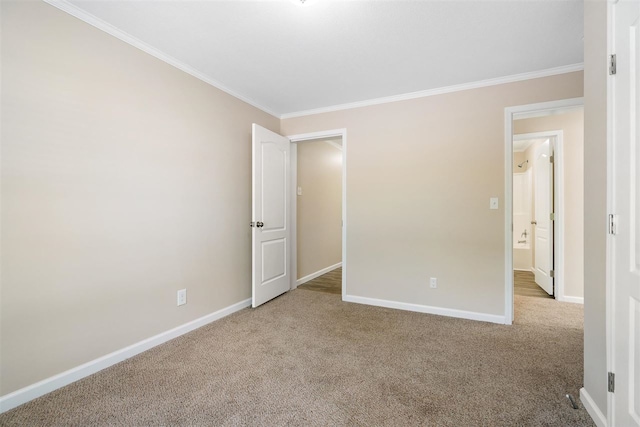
(270, 215)
(625, 224)
(543, 225)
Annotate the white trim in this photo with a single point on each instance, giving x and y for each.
(575, 300)
(92, 20)
(592, 409)
(439, 91)
(418, 308)
(318, 273)
(558, 190)
(508, 217)
(509, 113)
(321, 135)
(523, 269)
(545, 113)
(24, 395)
(610, 305)
(293, 214)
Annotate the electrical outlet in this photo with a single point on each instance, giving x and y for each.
(182, 297)
(433, 283)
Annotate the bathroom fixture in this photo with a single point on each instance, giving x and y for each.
(524, 233)
(521, 164)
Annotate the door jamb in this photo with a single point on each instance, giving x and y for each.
(293, 205)
(509, 114)
(558, 205)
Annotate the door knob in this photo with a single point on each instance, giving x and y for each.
(260, 224)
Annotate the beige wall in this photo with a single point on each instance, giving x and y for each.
(418, 192)
(519, 157)
(319, 216)
(572, 125)
(123, 180)
(595, 201)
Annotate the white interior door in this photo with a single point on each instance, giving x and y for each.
(270, 215)
(543, 191)
(625, 244)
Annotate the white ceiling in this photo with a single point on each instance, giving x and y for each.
(288, 58)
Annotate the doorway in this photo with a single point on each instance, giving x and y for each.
(533, 204)
(561, 227)
(317, 181)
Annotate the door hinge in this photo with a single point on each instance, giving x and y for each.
(551, 159)
(612, 224)
(611, 382)
(253, 224)
(552, 273)
(552, 216)
(612, 64)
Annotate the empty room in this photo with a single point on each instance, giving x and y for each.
(308, 212)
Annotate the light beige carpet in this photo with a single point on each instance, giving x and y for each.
(309, 359)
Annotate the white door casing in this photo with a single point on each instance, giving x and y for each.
(625, 243)
(543, 229)
(270, 215)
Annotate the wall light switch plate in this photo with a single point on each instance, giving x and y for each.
(493, 203)
(433, 283)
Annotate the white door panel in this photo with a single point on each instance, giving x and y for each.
(543, 230)
(270, 207)
(625, 247)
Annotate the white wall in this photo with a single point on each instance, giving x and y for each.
(522, 215)
(123, 180)
(319, 208)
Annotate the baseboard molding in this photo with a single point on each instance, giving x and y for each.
(522, 269)
(24, 395)
(470, 315)
(593, 410)
(575, 300)
(318, 273)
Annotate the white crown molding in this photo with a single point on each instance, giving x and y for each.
(90, 19)
(334, 144)
(440, 311)
(24, 395)
(440, 91)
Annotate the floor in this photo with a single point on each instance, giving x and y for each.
(330, 283)
(307, 358)
(524, 284)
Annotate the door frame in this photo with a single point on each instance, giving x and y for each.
(293, 206)
(511, 113)
(558, 206)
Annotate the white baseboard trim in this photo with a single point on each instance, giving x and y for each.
(318, 273)
(24, 395)
(593, 410)
(576, 300)
(522, 269)
(450, 312)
